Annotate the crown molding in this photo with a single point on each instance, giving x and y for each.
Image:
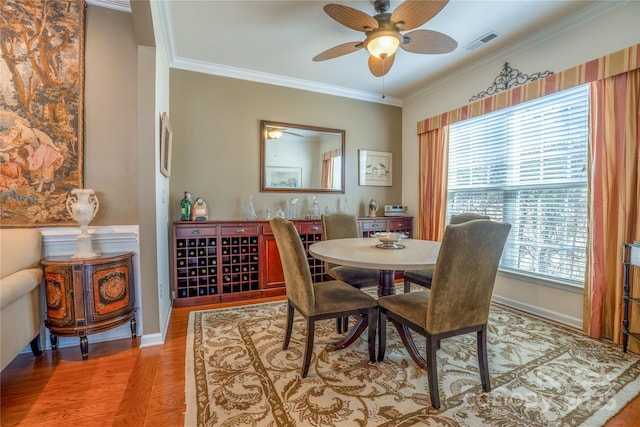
(121, 5)
(273, 79)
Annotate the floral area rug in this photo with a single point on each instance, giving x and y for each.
(542, 374)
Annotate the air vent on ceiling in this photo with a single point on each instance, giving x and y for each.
(482, 41)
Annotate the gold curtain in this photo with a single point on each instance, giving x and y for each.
(432, 185)
(614, 210)
(327, 167)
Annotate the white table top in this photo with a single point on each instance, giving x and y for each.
(363, 253)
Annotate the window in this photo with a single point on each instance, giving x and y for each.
(527, 165)
(336, 168)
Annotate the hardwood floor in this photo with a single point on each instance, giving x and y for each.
(120, 384)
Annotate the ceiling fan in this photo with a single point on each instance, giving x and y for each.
(383, 32)
(275, 132)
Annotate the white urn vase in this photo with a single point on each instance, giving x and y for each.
(82, 205)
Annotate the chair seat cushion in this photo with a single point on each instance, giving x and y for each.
(335, 296)
(358, 277)
(411, 306)
(421, 277)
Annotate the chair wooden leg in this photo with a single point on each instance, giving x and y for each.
(407, 286)
(432, 372)
(308, 347)
(342, 325)
(382, 334)
(483, 360)
(289, 326)
(373, 324)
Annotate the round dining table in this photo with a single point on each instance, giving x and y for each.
(365, 252)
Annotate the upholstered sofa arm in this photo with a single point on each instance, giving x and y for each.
(18, 284)
(20, 249)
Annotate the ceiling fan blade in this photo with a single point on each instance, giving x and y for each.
(350, 17)
(339, 50)
(413, 13)
(427, 41)
(379, 67)
(292, 133)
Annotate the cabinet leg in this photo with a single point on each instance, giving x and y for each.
(84, 348)
(133, 328)
(54, 342)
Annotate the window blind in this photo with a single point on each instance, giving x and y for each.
(527, 165)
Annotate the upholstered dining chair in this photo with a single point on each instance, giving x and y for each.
(459, 300)
(343, 226)
(423, 277)
(317, 301)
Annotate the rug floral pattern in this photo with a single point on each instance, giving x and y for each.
(542, 374)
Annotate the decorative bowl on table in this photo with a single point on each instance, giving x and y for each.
(390, 240)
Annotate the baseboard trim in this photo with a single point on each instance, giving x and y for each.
(151, 339)
(542, 312)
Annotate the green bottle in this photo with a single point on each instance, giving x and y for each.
(185, 208)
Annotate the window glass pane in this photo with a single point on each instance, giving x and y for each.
(336, 179)
(527, 165)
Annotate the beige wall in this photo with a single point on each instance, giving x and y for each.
(216, 152)
(110, 143)
(120, 123)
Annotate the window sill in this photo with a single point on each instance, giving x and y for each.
(540, 281)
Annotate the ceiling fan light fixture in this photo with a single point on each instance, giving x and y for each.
(274, 133)
(383, 43)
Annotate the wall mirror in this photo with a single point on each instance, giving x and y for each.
(301, 158)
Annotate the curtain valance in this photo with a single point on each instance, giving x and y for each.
(597, 69)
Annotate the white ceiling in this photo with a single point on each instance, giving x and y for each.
(274, 41)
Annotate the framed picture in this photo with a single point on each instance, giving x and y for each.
(284, 177)
(166, 138)
(375, 168)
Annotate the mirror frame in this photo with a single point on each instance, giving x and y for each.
(263, 141)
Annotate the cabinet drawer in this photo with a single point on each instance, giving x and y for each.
(399, 223)
(310, 227)
(374, 225)
(239, 230)
(196, 231)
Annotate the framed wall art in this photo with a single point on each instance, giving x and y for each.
(375, 168)
(41, 110)
(166, 140)
(284, 177)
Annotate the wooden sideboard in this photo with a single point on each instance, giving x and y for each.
(219, 261)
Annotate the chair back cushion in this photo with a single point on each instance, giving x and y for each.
(464, 275)
(464, 217)
(338, 226)
(297, 275)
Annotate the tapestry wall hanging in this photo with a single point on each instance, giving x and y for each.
(41, 110)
